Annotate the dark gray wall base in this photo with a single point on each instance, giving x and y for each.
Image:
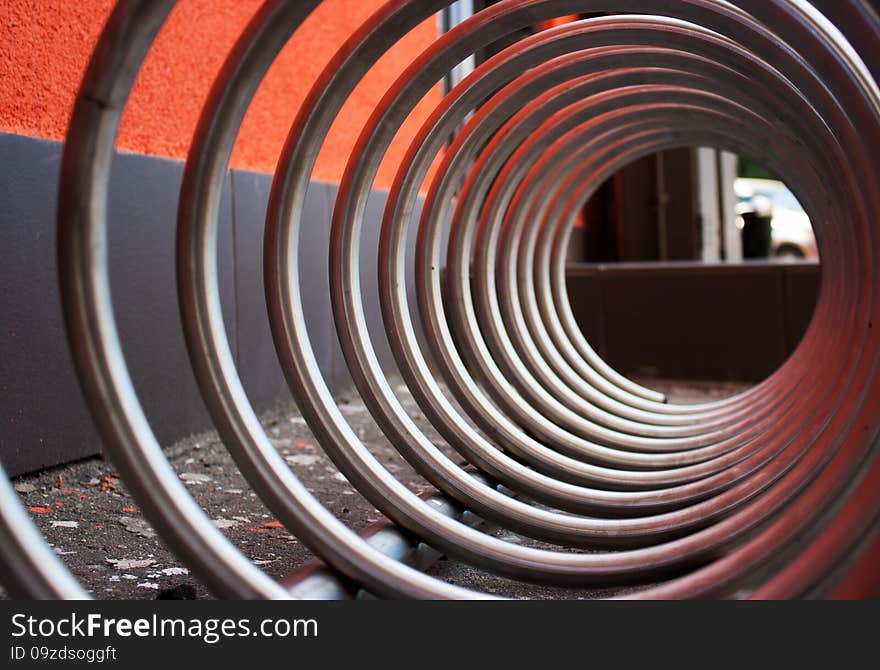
(735, 321)
(43, 418)
(43, 415)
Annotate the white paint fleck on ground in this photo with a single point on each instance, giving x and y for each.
(172, 572)
(194, 478)
(137, 526)
(303, 459)
(130, 564)
(225, 523)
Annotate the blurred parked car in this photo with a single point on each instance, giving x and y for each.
(791, 232)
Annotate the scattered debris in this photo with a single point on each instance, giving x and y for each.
(302, 459)
(40, 510)
(61, 552)
(130, 564)
(111, 521)
(137, 526)
(171, 572)
(65, 524)
(106, 483)
(194, 478)
(225, 523)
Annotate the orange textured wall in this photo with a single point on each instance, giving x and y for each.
(45, 45)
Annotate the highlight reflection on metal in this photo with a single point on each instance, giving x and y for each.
(773, 493)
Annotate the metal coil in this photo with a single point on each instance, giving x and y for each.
(774, 493)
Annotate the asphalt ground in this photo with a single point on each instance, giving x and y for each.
(85, 512)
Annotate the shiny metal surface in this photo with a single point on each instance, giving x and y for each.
(766, 494)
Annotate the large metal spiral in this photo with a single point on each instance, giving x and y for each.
(774, 493)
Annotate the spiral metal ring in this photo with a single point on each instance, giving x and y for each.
(772, 493)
